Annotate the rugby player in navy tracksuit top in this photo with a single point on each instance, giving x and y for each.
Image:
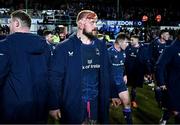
(169, 62)
(156, 48)
(118, 78)
(137, 62)
(80, 75)
(24, 59)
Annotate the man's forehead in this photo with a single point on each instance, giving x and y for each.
(91, 16)
(90, 20)
(166, 33)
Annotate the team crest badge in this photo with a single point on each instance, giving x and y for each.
(89, 61)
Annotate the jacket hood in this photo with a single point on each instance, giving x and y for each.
(27, 42)
(74, 38)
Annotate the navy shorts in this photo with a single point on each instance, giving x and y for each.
(121, 87)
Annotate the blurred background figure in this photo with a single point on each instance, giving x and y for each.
(49, 39)
(168, 77)
(137, 61)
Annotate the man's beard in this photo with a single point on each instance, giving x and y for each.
(88, 35)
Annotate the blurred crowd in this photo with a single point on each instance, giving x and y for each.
(60, 33)
(104, 10)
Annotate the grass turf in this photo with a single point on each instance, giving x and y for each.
(147, 112)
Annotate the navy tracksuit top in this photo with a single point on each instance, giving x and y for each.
(169, 62)
(24, 86)
(137, 63)
(117, 60)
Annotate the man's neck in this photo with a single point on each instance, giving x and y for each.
(136, 45)
(83, 38)
(162, 40)
(117, 47)
(23, 30)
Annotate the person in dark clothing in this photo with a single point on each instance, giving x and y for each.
(137, 61)
(156, 49)
(40, 31)
(24, 60)
(157, 46)
(80, 76)
(49, 39)
(2, 35)
(119, 79)
(168, 77)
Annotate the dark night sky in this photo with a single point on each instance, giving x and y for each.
(126, 3)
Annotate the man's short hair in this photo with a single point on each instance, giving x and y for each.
(121, 37)
(88, 14)
(162, 31)
(135, 36)
(23, 17)
(47, 32)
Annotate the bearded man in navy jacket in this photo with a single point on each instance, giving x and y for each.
(80, 76)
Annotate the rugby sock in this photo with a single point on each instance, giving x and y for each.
(158, 95)
(127, 115)
(166, 115)
(133, 94)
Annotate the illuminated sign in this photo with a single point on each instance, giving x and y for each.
(119, 23)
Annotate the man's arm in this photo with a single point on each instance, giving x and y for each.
(161, 64)
(4, 60)
(57, 71)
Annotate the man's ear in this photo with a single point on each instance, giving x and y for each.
(17, 23)
(80, 24)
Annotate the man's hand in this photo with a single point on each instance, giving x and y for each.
(163, 87)
(149, 76)
(56, 114)
(116, 102)
(125, 79)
